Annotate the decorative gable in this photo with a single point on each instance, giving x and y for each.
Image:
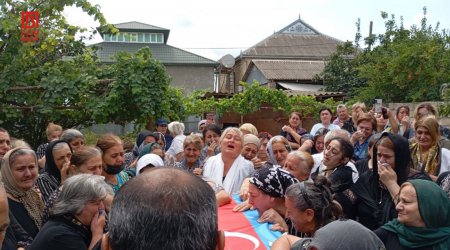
(299, 27)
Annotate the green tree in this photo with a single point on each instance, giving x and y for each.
(408, 65)
(37, 85)
(59, 79)
(341, 72)
(139, 91)
(399, 65)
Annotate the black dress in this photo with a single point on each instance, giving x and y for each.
(22, 217)
(341, 180)
(373, 207)
(62, 232)
(391, 241)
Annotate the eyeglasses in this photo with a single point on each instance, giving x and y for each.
(305, 194)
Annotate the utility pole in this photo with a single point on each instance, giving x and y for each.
(370, 35)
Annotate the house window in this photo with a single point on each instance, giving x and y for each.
(107, 37)
(113, 38)
(153, 38)
(140, 37)
(147, 37)
(126, 37)
(120, 37)
(133, 37)
(159, 38)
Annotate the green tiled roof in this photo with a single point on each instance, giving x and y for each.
(162, 52)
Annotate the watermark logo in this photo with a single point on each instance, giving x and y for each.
(30, 26)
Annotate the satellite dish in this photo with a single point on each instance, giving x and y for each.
(227, 61)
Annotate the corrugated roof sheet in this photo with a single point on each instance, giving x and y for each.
(294, 46)
(290, 93)
(137, 25)
(301, 86)
(289, 69)
(162, 52)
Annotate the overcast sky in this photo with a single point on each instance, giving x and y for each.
(215, 28)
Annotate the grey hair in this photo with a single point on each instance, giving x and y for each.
(176, 128)
(341, 133)
(60, 145)
(341, 106)
(22, 151)
(70, 134)
(305, 157)
(78, 190)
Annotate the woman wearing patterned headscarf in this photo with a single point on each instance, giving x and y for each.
(266, 194)
(19, 172)
(426, 153)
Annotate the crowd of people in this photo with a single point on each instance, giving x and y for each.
(364, 180)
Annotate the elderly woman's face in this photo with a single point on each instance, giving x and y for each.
(90, 209)
(249, 151)
(258, 199)
(191, 153)
(77, 144)
(91, 166)
(25, 171)
(408, 208)
(424, 138)
(386, 155)
(5, 143)
(297, 168)
(280, 152)
(231, 144)
(62, 156)
(366, 128)
(300, 219)
(333, 156)
(294, 120)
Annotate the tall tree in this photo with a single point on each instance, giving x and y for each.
(59, 79)
(38, 86)
(140, 90)
(408, 65)
(404, 64)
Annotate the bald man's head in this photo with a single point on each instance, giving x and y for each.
(164, 208)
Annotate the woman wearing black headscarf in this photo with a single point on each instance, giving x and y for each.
(376, 189)
(57, 155)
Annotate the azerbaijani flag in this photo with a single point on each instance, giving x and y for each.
(243, 231)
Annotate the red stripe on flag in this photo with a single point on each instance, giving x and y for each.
(243, 235)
